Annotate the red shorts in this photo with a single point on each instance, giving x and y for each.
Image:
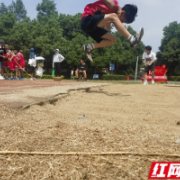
(16, 63)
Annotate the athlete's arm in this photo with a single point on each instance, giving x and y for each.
(144, 62)
(152, 61)
(110, 4)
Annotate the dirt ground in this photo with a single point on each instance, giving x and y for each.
(112, 118)
(16, 94)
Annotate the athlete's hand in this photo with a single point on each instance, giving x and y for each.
(145, 64)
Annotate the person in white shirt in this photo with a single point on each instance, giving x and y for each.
(149, 59)
(56, 64)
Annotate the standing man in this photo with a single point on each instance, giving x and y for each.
(149, 59)
(57, 60)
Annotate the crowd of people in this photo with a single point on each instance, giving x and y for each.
(12, 63)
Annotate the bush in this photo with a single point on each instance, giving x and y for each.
(174, 78)
(117, 77)
(45, 76)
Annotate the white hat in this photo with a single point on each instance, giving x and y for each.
(57, 50)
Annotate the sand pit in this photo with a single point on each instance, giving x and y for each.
(115, 118)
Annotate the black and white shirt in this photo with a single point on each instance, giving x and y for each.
(149, 58)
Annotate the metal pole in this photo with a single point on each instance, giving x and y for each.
(136, 70)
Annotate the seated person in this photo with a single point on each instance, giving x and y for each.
(82, 68)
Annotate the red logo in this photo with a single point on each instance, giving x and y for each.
(163, 170)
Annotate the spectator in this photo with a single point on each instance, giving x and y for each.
(2, 57)
(21, 64)
(32, 63)
(11, 58)
(82, 68)
(57, 60)
(16, 62)
(5, 67)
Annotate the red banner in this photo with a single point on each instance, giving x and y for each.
(159, 71)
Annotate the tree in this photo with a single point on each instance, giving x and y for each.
(3, 9)
(170, 48)
(46, 9)
(7, 22)
(18, 9)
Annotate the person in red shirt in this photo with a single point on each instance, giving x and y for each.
(104, 13)
(11, 58)
(21, 64)
(16, 63)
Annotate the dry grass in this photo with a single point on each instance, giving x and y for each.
(118, 120)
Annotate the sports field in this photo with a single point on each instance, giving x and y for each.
(117, 129)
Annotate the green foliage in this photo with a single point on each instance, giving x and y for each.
(7, 22)
(170, 48)
(18, 9)
(46, 9)
(3, 9)
(174, 78)
(45, 76)
(117, 77)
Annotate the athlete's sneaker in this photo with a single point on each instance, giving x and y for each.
(135, 40)
(15, 78)
(152, 82)
(33, 79)
(88, 52)
(12, 78)
(145, 83)
(7, 78)
(21, 79)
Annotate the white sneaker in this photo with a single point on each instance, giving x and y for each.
(152, 82)
(135, 40)
(145, 83)
(1, 78)
(33, 79)
(88, 52)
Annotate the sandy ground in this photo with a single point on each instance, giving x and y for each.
(128, 118)
(16, 94)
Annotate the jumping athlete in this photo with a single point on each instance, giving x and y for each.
(104, 13)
